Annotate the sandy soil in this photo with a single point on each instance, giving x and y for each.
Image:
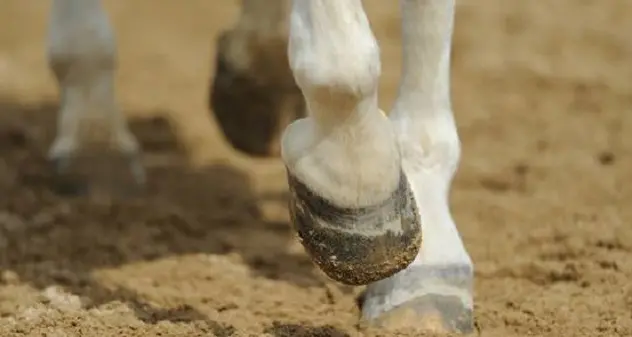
(542, 98)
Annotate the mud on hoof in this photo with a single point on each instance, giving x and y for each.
(357, 246)
(423, 298)
(253, 95)
(104, 172)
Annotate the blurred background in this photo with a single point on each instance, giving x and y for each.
(542, 98)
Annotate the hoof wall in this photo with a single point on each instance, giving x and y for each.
(357, 246)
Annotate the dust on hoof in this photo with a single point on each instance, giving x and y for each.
(357, 246)
(253, 95)
(430, 313)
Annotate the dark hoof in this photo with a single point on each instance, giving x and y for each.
(99, 172)
(254, 105)
(67, 182)
(357, 246)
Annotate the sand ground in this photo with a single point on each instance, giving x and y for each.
(543, 101)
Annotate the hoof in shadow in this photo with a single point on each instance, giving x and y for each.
(255, 102)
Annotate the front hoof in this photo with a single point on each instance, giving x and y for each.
(357, 246)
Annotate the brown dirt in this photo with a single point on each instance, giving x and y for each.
(542, 98)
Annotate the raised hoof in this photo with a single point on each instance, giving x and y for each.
(357, 246)
(422, 298)
(253, 95)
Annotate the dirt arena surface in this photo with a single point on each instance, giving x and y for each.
(543, 101)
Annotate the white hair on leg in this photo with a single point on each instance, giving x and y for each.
(435, 291)
(82, 56)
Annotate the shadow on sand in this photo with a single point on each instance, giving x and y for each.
(60, 240)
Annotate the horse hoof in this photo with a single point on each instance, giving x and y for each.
(253, 102)
(357, 246)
